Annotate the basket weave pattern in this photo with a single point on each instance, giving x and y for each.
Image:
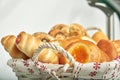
(32, 69)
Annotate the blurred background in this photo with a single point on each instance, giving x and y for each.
(40, 15)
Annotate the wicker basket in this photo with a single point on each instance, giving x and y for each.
(34, 70)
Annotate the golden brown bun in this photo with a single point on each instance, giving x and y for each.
(58, 34)
(83, 51)
(63, 27)
(117, 46)
(9, 45)
(48, 56)
(43, 36)
(59, 31)
(27, 43)
(99, 35)
(62, 31)
(108, 47)
(76, 29)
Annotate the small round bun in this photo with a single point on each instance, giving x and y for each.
(108, 47)
(48, 56)
(97, 36)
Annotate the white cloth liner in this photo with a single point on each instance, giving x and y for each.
(32, 68)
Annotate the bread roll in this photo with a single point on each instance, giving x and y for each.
(108, 47)
(9, 45)
(27, 43)
(99, 35)
(48, 56)
(59, 31)
(58, 34)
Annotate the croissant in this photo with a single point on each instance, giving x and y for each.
(27, 43)
(108, 47)
(83, 51)
(9, 45)
(48, 56)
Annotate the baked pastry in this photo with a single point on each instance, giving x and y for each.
(9, 45)
(76, 29)
(83, 51)
(43, 36)
(116, 43)
(62, 31)
(48, 56)
(27, 43)
(108, 47)
(59, 31)
(97, 36)
(58, 34)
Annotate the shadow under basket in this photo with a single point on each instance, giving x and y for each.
(32, 69)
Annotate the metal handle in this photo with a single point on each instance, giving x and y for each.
(109, 17)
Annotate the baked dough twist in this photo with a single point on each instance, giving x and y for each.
(9, 45)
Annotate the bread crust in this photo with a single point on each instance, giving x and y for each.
(27, 43)
(9, 45)
(108, 47)
(83, 51)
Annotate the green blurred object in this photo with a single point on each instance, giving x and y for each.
(114, 5)
(109, 7)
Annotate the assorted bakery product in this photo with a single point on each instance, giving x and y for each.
(63, 31)
(59, 31)
(48, 56)
(27, 43)
(99, 35)
(83, 51)
(108, 47)
(9, 45)
(43, 36)
(77, 29)
(74, 38)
